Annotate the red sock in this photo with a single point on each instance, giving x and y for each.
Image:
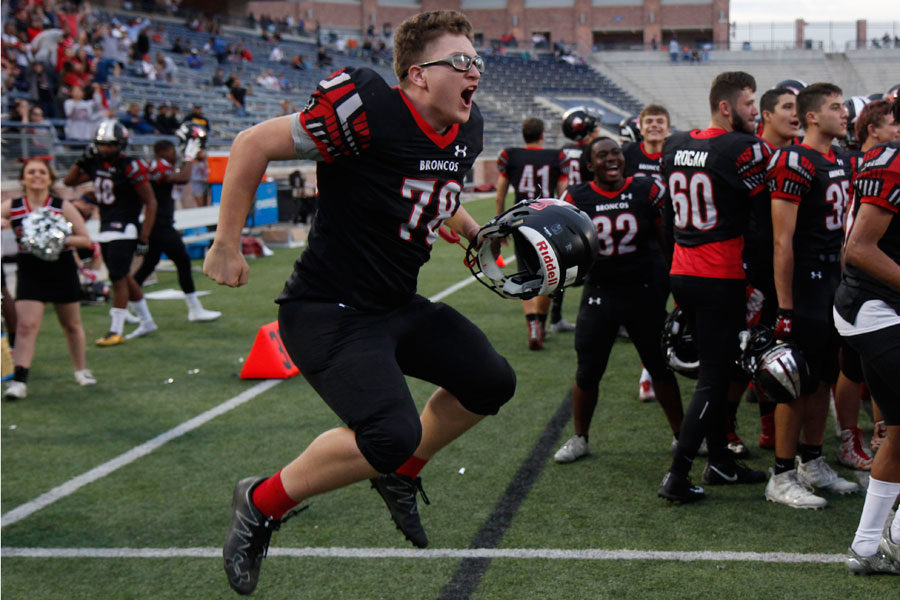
(412, 467)
(271, 499)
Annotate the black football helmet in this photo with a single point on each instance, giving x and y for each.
(555, 245)
(778, 369)
(680, 344)
(855, 105)
(187, 131)
(579, 122)
(110, 131)
(630, 129)
(795, 85)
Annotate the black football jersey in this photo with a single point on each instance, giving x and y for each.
(114, 182)
(19, 209)
(638, 163)
(387, 181)
(626, 222)
(820, 185)
(157, 171)
(878, 183)
(533, 172)
(574, 163)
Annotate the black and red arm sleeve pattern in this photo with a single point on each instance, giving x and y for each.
(750, 167)
(789, 176)
(878, 181)
(503, 162)
(335, 118)
(136, 171)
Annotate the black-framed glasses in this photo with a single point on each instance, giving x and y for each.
(460, 61)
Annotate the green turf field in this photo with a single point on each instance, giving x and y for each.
(505, 522)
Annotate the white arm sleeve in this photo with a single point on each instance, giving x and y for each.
(304, 145)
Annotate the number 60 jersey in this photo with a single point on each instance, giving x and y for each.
(387, 181)
(712, 175)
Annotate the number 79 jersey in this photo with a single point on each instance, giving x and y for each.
(387, 181)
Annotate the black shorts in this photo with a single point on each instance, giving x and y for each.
(814, 286)
(880, 354)
(640, 308)
(851, 365)
(117, 255)
(357, 361)
(45, 281)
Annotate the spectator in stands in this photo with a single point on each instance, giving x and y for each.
(277, 54)
(165, 67)
(166, 123)
(198, 118)
(194, 60)
(103, 65)
(218, 79)
(238, 95)
(149, 113)
(81, 115)
(674, 49)
(133, 120)
(268, 81)
(146, 69)
(141, 42)
(299, 62)
(41, 86)
(178, 47)
(288, 107)
(323, 59)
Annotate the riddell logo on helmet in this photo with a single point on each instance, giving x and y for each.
(549, 261)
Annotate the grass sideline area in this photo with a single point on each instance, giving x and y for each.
(171, 507)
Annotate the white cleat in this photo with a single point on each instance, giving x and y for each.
(142, 330)
(85, 377)
(15, 390)
(572, 450)
(201, 314)
(817, 473)
(789, 489)
(561, 326)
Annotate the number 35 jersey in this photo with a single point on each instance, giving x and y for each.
(387, 181)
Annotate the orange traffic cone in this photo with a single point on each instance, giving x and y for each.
(268, 359)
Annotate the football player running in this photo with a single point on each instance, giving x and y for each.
(867, 315)
(535, 172)
(712, 176)
(390, 166)
(809, 184)
(628, 285)
(121, 189)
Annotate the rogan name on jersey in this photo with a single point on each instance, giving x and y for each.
(690, 158)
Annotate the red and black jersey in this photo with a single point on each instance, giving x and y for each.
(533, 172)
(627, 222)
(114, 183)
(574, 161)
(387, 181)
(157, 171)
(638, 163)
(712, 177)
(878, 183)
(820, 185)
(20, 208)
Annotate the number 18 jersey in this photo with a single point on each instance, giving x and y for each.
(387, 181)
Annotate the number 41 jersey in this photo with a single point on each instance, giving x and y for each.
(387, 181)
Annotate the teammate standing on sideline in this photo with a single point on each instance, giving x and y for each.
(39, 281)
(644, 159)
(535, 172)
(581, 126)
(627, 286)
(867, 314)
(391, 162)
(809, 184)
(164, 237)
(712, 177)
(120, 187)
(780, 128)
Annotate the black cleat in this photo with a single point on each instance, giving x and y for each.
(678, 488)
(247, 542)
(731, 472)
(399, 493)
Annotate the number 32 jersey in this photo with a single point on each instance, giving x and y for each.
(387, 181)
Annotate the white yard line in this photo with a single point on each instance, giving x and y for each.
(32, 506)
(493, 553)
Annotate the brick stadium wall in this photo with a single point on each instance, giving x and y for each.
(563, 23)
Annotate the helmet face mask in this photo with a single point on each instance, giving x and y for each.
(579, 123)
(778, 369)
(630, 129)
(555, 246)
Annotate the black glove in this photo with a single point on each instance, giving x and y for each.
(142, 248)
(87, 157)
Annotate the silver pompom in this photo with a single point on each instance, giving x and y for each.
(44, 233)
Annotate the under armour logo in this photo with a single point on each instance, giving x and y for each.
(626, 196)
(460, 150)
(593, 300)
(815, 274)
